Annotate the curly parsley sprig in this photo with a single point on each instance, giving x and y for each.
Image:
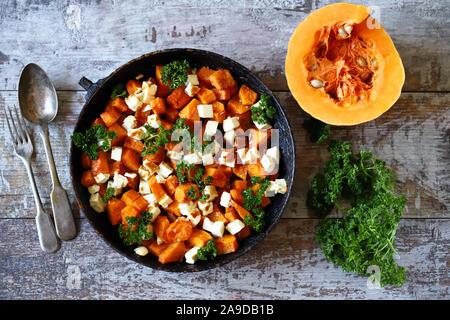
(96, 137)
(209, 251)
(365, 235)
(136, 229)
(175, 74)
(264, 110)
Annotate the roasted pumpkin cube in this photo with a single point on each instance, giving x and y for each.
(219, 113)
(156, 248)
(174, 252)
(199, 238)
(178, 98)
(87, 179)
(247, 95)
(190, 111)
(158, 105)
(222, 79)
(119, 104)
(163, 90)
(131, 159)
(160, 227)
(179, 230)
(133, 144)
(132, 86)
(100, 165)
(121, 134)
(206, 95)
(203, 75)
(130, 196)
(114, 208)
(235, 106)
(227, 244)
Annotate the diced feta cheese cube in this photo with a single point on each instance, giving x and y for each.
(144, 187)
(101, 178)
(94, 188)
(274, 153)
(141, 251)
(175, 155)
(154, 210)
(229, 137)
(206, 207)
(133, 102)
(227, 158)
(218, 229)
(159, 241)
(117, 191)
(119, 181)
(116, 153)
(165, 201)
(268, 163)
(97, 203)
(149, 93)
(194, 218)
(191, 255)
(165, 169)
(271, 190)
(151, 199)
(129, 122)
(193, 79)
(207, 159)
(186, 208)
(192, 158)
(211, 192)
(225, 199)
(281, 185)
(235, 226)
(144, 174)
(130, 175)
(230, 123)
(205, 110)
(241, 153)
(265, 126)
(251, 156)
(153, 121)
(160, 178)
(213, 147)
(150, 166)
(211, 128)
(191, 90)
(138, 133)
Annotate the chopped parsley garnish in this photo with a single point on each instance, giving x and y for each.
(186, 171)
(108, 194)
(175, 74)
(154, 139)
(252, 201)
(366, 234)
(93, 139)
(263, 110)
(119, 91)
(209, 251)
(136, 229)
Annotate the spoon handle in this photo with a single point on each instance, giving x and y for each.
(47, 237)
(62, 213)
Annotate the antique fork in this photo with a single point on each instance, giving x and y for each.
(24, 149)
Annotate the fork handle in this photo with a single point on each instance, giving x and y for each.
(47, 236)
(62, 212)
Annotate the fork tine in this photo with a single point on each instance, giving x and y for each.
(7, 117)
(23, 125)
(19, 126)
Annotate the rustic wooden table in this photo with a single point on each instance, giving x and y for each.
(72, 39)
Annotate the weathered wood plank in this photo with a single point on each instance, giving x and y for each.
(71, 40)
(286, 265)
(412, 138)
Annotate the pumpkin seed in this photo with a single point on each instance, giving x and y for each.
(342, 32)
(361, 61)
(348, 28)
(316, 83)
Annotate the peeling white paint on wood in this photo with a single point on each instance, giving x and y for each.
(74, 39)
(288, 264)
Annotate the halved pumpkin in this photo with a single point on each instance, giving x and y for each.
(342, 67)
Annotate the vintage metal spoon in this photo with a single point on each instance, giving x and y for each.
(39, 104)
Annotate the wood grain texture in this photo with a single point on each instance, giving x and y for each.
(286, 265)
(70, 39)
(412, 137)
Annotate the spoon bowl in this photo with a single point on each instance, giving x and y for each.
(37, 95)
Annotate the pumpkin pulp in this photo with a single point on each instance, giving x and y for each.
(342, 63)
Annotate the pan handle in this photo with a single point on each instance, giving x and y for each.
(89, 86)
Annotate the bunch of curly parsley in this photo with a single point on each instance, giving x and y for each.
(93, 139)
(365, 235)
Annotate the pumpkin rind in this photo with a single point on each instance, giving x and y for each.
(390, 75)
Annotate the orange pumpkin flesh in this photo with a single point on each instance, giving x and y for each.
(342, 67)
